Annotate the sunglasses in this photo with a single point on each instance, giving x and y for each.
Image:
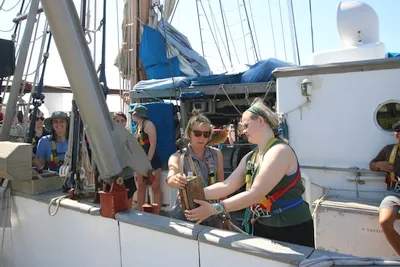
(397, 130)
(198, 133)
(40, 118)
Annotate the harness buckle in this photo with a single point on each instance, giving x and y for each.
(258, 211)
(396, 187)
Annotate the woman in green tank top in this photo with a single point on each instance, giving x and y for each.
(273, 199)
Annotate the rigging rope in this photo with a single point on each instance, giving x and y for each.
(272, 26)
(244, 39)
(201, 35)
(120, 79)
(27, 6)
(311, 26)
(17, 22)
(39, 63)
(255, 30)
(102, 68)
(173, 12)
(30, 56)
(216, 29)
(230, 33)
(212, 33)
(295, 32)
(8, 30)
(37, 95)
(6, 10)
(226, 35)
(95, 35)
(283, 32)
(56, 200)
(251, 32)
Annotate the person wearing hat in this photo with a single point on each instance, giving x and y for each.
(146, 135)
(51, 149)
(388, 161)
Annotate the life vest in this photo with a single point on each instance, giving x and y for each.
(263, 207)
(54, 159)
(141, 136)
(391, 179)
(211, 171)
(268, 200)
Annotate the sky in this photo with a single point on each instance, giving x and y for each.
(270, 42)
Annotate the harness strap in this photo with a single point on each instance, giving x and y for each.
(289, 204)
(183, 192)
(140, 131)
(267, 201)
(253, 213)
(54, 155)
(392, 159)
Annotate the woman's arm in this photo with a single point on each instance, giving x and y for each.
(174, 178)
(220, 172)
(380, 163)
(279, 160)
(230, 185)
(150, 130)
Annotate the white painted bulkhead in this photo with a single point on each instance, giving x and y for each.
(337, 129)
(79, 237)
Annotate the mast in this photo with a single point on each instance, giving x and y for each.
(19, 71)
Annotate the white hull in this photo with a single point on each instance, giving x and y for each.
(80, 239)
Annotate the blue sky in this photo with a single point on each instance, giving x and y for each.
(185, 19)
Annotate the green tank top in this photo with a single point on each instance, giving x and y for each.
(294, 216)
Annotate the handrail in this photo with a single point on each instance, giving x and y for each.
(352, 169)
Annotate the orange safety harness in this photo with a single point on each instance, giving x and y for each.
(54, 159)
(263, 207)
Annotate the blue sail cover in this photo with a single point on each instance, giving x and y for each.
(259, 72)
(153, 54)
(187, 54)
(262, 71)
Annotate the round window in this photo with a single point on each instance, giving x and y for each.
(387, 114)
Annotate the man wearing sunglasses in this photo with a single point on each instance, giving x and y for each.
(388, 160)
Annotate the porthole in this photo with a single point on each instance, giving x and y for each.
(386, 114)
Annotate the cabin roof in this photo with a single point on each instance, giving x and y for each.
(343, 67)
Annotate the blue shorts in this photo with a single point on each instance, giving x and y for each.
(156, 161)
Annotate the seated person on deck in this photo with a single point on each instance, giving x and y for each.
(51, 149)
(39, 131)
(388, 160)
